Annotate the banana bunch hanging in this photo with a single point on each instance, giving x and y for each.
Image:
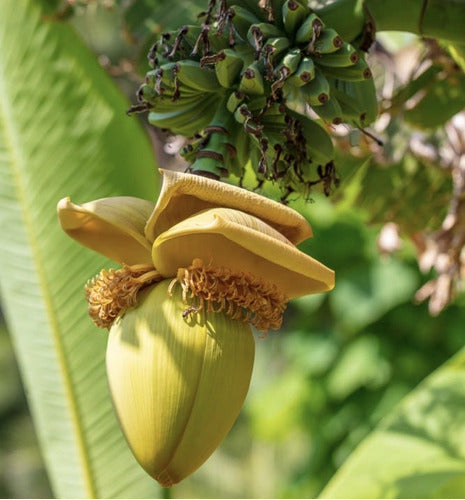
(242, 83)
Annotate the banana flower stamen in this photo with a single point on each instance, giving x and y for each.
(112, 292)
(239, 295)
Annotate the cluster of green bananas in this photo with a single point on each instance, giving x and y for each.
(243, 81)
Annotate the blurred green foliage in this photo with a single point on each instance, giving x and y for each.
(346, 358)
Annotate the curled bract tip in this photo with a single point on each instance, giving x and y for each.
(228, 238)
(113, 227)
(183, 195)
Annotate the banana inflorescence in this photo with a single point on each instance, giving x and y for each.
(242, 83)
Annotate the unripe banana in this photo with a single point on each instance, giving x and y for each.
(193, 76)
(234, 100)
(304, 73)
(327, 42)
(165, 104)
(274, 125)
(147, 93)
(309, 29)
(316, 92)
(263, 31)
(346, 17)
(242, 20)
(177, 382)
(319, 144)
(190, 34)
(228, 67)
(241, 142)
(252, 80)
(242, 114)
(250, 5)
(163, 78)
(330, 111)
(289, 63)
(186, 121)
(276, 46)
(293, 14)
(357, 72)
(358, 101)
(274, 110)
(347, 55)
(273, 11)
(166, 84)
(257, 104)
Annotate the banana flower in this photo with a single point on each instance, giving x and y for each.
(198, 267)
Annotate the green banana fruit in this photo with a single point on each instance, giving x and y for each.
(357, 72)
(258, 105)
(347, 17)
(162, 81)
(186, 121)
(318, 142)
(273, 9)
(263, 31)
(261, 60)
(188, 36)
(228, 67)
(242, 19)
(276, 46)
(165, 82)
(347, 55)
(330, 111)
(289, 63)
(317, 91)
(250, 5)
(304, 73)
(293, 14)
(309, 29)
(241, 142)
(242, 114)
(234, 100)
(191, 74)
(252, 80)
(327, 42)
(163, 104)
(358, 101)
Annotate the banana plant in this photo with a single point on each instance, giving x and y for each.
(256, 87)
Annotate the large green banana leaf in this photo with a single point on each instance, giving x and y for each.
(63, 131)
(419, 450)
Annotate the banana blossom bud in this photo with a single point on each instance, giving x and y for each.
(197, 268)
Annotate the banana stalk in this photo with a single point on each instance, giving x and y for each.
(213, 157)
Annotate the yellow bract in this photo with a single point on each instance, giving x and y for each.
(183, 195)
(223, 237)
(113, 227)
(189, 221)
(177, 382)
